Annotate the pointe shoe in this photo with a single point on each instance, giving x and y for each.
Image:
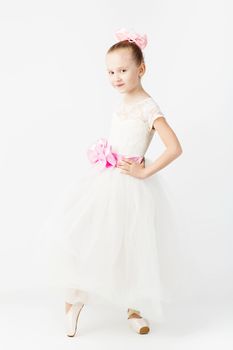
(139, 325)
(71, 318)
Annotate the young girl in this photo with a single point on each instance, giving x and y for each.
(112, 219)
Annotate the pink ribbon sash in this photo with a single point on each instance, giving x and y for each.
(101, 153)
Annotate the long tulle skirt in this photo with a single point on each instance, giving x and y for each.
(115, 240)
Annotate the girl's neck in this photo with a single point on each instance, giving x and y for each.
(135, 96)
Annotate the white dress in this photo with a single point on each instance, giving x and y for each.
(113, 223)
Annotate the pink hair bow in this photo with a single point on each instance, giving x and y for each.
(101, 153)
(123, 34)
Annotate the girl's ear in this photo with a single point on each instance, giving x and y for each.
(142, 69)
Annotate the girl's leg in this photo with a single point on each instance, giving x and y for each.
(73, 296)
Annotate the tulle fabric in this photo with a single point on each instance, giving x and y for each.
(115, 242)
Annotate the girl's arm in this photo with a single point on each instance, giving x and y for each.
(173, 147)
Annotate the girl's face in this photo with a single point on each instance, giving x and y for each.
(123, 73)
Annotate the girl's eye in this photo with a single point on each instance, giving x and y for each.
(111, 73)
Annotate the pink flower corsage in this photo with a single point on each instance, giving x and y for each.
(101, 153)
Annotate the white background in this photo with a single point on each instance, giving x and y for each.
(56, 100)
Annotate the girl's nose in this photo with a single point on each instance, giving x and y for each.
(117, 78)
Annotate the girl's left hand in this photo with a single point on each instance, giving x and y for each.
(129, 167)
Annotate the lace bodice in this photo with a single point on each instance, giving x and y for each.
(131, 128)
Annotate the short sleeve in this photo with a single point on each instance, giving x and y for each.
(153, 112)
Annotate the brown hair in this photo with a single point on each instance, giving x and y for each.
(126, 44)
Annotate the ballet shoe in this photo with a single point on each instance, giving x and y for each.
(139, 325)
(71, 318)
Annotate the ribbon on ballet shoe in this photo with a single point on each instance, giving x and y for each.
(133, 311)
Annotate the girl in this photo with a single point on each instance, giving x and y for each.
(112, 220)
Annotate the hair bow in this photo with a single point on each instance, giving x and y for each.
(123, 34)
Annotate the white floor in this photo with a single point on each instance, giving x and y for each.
(36, 322)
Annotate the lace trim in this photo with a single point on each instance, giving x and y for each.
(146, 111)
(131, 112)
